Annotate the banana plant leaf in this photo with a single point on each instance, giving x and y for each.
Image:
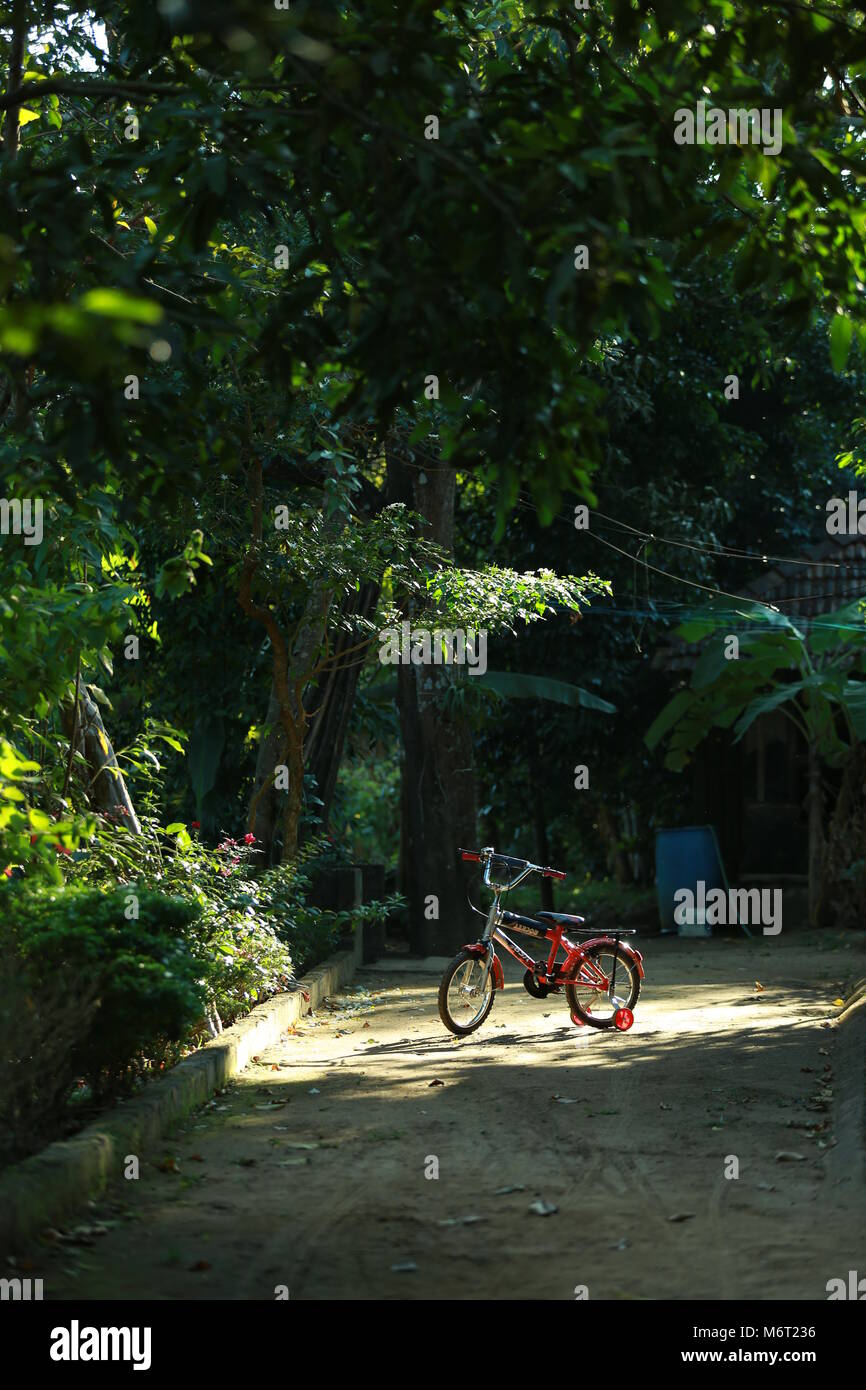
(518, 685)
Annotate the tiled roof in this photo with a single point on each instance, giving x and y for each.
(803, 590)
(800, 590)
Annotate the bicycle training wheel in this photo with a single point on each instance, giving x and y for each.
(590, 996)
(463, 1004)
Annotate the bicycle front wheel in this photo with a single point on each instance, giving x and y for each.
(598, 990)
(465, 997)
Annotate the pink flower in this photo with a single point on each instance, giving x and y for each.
(249, 839)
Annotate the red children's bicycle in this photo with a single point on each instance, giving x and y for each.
(601, 976)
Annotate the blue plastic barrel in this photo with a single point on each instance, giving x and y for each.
(683, 858)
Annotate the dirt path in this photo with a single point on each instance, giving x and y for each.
(309, 1171)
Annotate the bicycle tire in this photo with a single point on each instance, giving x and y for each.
(628, 964)
(463, 1030)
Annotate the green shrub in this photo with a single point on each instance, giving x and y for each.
(40, 1030)
(130, 945)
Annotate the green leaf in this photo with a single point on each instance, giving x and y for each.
(117, 304)
(518, 685)
(764, 704)
(671, 713)
(205, 750)
(845, 625)
(841, 330)
(854, 700)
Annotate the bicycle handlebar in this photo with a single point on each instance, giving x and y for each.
(483, 856)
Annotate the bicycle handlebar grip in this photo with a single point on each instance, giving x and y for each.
(470, 854)
(553, 873)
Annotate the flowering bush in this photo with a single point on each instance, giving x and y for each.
(253, 930)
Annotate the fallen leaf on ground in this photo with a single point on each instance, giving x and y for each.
(682, 1216)
(408, 1267)
(515, 1187)
(436, 1082)
(542, 1208)
(788, 1156)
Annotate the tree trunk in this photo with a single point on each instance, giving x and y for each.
(616, 856)
(106, 791)
(438, 794)
(16, 68)
(295, 799)
(539, 816)
(323, 717)
(331, 701)
(262, 816)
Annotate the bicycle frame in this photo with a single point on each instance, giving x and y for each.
(550, 973)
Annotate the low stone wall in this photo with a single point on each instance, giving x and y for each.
(42, 1190)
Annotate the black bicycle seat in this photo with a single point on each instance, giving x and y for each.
(573, 921)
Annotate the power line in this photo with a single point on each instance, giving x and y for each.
(728, 552)
(677, 579)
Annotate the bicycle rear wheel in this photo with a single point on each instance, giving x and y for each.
(596, 994)
(463, 1002)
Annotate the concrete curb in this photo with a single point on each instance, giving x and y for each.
(855, 999)
(847, 1159)
(41, 1190)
